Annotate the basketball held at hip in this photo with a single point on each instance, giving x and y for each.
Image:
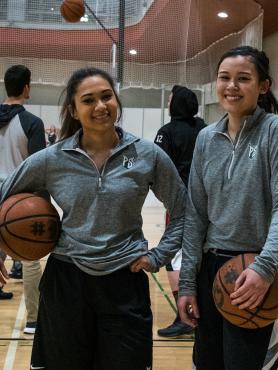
(29, 226)
(224, 283)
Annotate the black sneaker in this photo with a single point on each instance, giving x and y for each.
(5, 295)
(16, 270)
(175, 330)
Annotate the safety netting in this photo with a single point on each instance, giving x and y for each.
(164, 41)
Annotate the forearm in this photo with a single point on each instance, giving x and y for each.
(188, 274)
(195, 229)
(266, 264)
(168, 246)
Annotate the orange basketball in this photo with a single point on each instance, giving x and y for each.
(72, 10)
(223, 286)
(29, 227)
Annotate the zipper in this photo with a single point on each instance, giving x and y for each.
(231, 164)
(234, 149)
(99, 182)
(100, 174)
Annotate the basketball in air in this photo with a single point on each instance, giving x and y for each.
(224, 282)
(29, 226)
(72, 10)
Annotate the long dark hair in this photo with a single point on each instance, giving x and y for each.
(69, 124)
(266, 101)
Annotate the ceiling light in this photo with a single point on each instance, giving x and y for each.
(133, 52)
(222, 15)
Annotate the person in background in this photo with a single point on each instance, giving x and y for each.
(4, 295)
(177, 138)
(21, 134)
(16, 270)
(52, 135)
(232, 209)
(94, 310)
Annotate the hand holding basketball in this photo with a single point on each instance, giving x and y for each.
(261, 314)
(250, 289)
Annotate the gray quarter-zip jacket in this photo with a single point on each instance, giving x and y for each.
(102, 223)
(233, 196)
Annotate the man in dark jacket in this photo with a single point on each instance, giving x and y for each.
(21, 134)
(177, 138)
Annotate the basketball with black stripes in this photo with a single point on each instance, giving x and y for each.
(29, 226)
(224, 283)
(72, 10)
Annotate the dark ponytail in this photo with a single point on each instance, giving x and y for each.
(266, 101)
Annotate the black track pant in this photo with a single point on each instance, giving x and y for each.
(92, 322)
(220, 345)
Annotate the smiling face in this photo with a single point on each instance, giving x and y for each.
(238, 86)
(95, 104)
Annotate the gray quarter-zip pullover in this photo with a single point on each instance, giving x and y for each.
(102, 223)
(233, 196)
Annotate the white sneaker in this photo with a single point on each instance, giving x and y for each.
(30, 328)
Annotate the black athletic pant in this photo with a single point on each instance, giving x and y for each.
(92, 322)
(220, 345)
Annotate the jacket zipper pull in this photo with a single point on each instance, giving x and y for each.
(99, 182)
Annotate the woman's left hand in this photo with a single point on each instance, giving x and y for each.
(141, 263)
(250, 288)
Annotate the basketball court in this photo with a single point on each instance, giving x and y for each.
(147, 46)
(169, 354)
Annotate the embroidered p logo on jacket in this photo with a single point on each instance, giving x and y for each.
(128, 162)
(252, 151)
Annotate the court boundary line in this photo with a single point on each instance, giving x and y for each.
(12, 348)
(163, 291)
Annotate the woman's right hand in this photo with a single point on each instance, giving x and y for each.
(140, 263)
(188, 310)
(3, 272)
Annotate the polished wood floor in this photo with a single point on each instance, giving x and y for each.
(169, 354)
